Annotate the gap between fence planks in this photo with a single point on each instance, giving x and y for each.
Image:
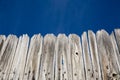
(91, 56)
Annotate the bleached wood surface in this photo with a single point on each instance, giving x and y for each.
(91, 56)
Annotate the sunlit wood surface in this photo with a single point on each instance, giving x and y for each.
(91, 56)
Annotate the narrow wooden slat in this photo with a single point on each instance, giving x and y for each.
(31, 71)
(2, 40)
(116, 51)
(61, 66)
(117, 34)
(104, 63)
(115, 57)
(94, 55)
(76, 57)
(18, 65)
(87, 58)
(48, 60)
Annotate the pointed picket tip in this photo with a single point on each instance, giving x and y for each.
(73, 35)
(25, 35)
(36, 35)
(90, 32)
(3, 37)
(117, 29)
(49, 35)
(62, 37)
(104, 32)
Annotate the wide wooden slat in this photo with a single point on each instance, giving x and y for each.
(76, 57)
(48, 58)
(61, 67)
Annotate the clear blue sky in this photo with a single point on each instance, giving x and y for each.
(58, 16)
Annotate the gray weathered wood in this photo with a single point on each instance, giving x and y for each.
(18, 65)
(87, 58)
(61, 66)
(33, 59)
(76, 57)
(94, 55)
(48, 58)
(91, 57)
(117, 34)
(7, 55)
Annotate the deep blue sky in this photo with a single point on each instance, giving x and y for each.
(58, 16)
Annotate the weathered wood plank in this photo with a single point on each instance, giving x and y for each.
(94, 55)
(87, 58)
(7, 55)
(115, 47)
(107, 56)
(31, 71)
(19, 59)
(48, 58)
(117, 34)
(115, 57)
(61, 66)
(62, 57)
(2, 40)
(76, 57)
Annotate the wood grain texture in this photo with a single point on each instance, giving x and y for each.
(93, 56)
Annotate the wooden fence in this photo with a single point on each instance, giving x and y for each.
(89, 57)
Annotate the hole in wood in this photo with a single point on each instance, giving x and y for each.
(64, 72)
(106, 67)
(92, 75)
(88, 69)
(3, 73)
(76, 53)
(14, 72)
(59, 69)
(29, 71)
(25, 73)
(44, 70)
(48, 73)
(114, 75)
(75, 74)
